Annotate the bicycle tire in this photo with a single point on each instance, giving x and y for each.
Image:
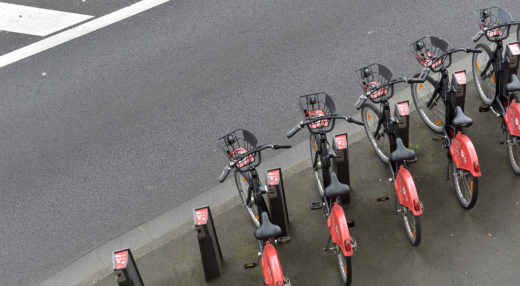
(466, 186)
(242, 183)
(486, 88)
(371, 116)
(513, 152)
(412, 226)
(313, 146)
(344, 266)
(421, 94)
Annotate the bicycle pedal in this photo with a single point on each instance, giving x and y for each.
(316, 206)
(250, 265)
(283, 240)
(484, 108)
(438, 138)
(351, 223)
(382, 199)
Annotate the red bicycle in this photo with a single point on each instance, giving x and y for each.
(240, 148)
(492, 71)
(319, 112)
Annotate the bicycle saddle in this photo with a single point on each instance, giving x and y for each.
(267, 229)
(401, 153)
(335, 188)
(461, 120)
(514, 85)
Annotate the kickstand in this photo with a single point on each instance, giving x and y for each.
(328, 243)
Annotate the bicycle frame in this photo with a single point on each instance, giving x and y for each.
(336, 219)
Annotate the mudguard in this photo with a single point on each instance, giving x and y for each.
(512, 118)
(337, 224)
(406, 191)
(271, 265)
(464, 155)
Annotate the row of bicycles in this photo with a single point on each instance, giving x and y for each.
(439, 101)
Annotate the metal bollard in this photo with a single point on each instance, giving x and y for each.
(402, 113)
(277, 201)
(458, 80)
(341, 163)
(125, 269)
(209, 246)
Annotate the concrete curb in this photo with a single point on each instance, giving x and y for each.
(97, 264)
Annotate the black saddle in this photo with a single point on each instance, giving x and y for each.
(335, 188)
(514, 85)
(267, 229)
(461, 120)
(401, 153)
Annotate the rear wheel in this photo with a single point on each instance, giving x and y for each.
(379, 141)
(344, 266)
(466, 186)
(242, 182)
(486, 84)
(412, 226)
(434, 114)
(513, 152)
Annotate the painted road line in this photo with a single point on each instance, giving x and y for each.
(78, 31)
(36, 21)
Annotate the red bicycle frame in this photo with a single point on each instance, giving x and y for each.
(338, 227)
(512, 118)
(464, 155)
(271, 267)
(406, 191)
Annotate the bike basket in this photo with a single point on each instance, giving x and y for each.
(493, 16)
(238, 142)
(427, 51)
(372, 77)
(318, 105)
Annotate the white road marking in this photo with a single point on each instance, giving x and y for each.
(36, 21)
(78, 31)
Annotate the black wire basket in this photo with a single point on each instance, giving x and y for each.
(372, 77)
(239, 142)
(490, 17)
(427, 51)
(318, 105)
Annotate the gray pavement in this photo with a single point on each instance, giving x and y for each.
(110, 130)
(459, 247)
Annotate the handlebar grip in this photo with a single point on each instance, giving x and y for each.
(415, 80)
(293, 131)
(476, 51)
(281, 146)
(224, 174)
(352, 120)
(478, 36)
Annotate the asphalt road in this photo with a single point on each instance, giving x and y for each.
(107, 131)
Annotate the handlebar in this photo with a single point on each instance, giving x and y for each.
(302, 124)
(239, 158)
(481, 33)
(477, 36)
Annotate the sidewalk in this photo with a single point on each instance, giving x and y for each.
(459, 247)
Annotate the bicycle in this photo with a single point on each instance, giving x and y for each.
(320, 118)
(490, 82)
(434, 54)
(380, 126)
(245, 156)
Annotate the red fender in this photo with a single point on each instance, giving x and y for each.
(464, 155)
(271, 266)
(337, 224)
(406, 191)
(512, 118)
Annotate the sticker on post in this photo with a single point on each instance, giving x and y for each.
(120, 259)
(404, 109)
(341, 141)
(274, 177)
(460, 77)
(201, 216)
(514, 48)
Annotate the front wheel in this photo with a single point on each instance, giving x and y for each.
(378, 138)
(429, 104)
(345, 266)
(412, 226)
(466, 186)
(486, 84)
(242, 182)
(513, 152)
